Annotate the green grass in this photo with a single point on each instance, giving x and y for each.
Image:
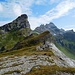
(66, 52)
(9, 39)
(34, 40)
(16, 64)
(71, 43)
(27, 51)
(45, 70)
(48, 70)
(28, 46)
(10, 72)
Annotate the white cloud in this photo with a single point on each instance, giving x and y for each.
(60, 10)
(41, 2)
(54, 1)
(1, 7)
(45, 2)
(4, 22)
(25, 6)
(17, 9)
(69, 27)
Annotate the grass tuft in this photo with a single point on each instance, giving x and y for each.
(48, 70)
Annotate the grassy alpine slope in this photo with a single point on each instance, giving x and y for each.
(27, 46)
(9, 39)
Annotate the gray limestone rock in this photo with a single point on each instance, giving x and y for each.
(19, 23)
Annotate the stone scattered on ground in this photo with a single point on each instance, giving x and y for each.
(18, 65)
(23, 63)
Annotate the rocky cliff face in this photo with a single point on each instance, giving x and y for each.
(64, 39)
(50, 27)
(13, 32)
(32, 54)
(19, 23)
(53, 61)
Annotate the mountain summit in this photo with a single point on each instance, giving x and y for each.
(64, 39)
(20, 22)
(26, 52)
(50, 27)
(13, 32)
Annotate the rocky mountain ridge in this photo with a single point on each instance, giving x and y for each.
(21, 65)
(19, 23)
(50, 27)
(13, 32)
(64, 39)
(27, 53)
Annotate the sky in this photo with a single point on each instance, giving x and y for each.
(60, 12)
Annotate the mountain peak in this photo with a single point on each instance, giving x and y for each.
(23, 16)
(19, 23)
(51, 25)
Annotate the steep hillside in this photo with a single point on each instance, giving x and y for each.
(65, 40)
(26, 52)
(41, 57)
(13, 32)
(66, 43)
(30, 44)
(33, 40)
(19, 23)
(50, 27)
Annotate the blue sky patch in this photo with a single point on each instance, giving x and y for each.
(61, 12)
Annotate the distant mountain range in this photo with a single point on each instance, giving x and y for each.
(18, 29)
(50, 27)
(36, 52)
(13, 32)
(65, 40)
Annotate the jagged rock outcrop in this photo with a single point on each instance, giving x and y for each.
(21, 65)
(41, 38)
(65, 39)
(19, 23)
(50, 27)
(45, 46)
(14, 32)
(23, 55)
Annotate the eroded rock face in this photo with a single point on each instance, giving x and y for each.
(19, 23)
(22, 64)
(19, 65)
(62, 59)
(45, 46)
(50, 27)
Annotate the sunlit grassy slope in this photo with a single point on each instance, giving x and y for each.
(49, 70)
(65, 51)
(8, 40)
(28, 45)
